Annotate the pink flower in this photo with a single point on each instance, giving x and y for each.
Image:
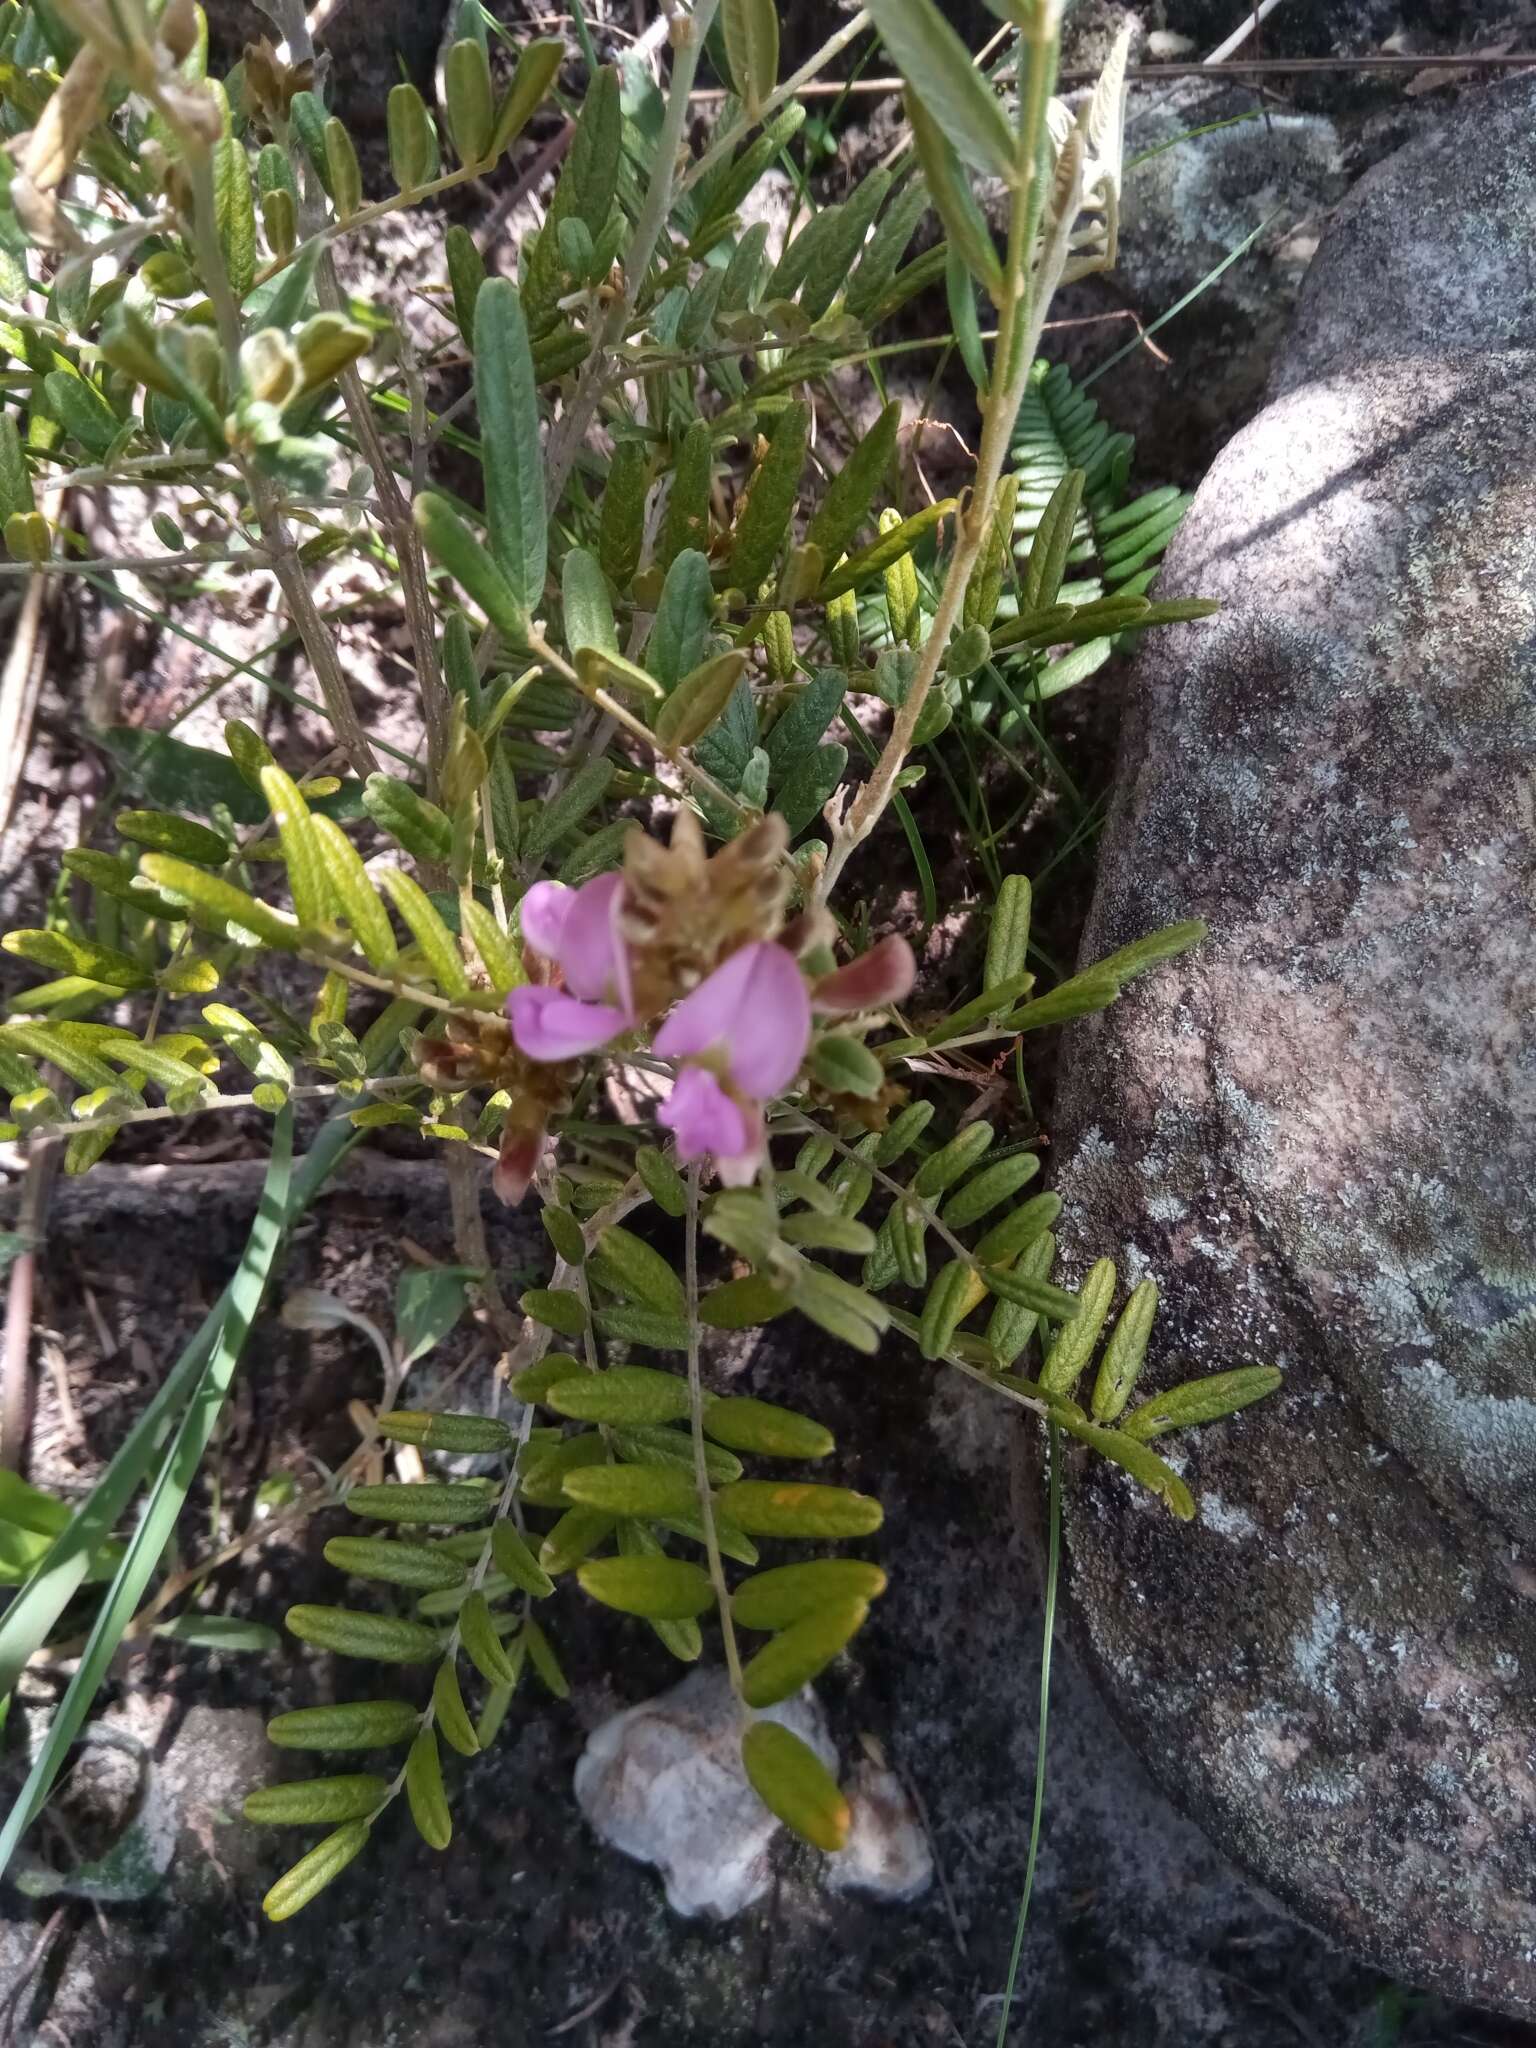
(549, 1025)
(578, 930)
(750, 1023)
(703, 1117)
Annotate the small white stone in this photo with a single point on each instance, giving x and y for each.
(1164, 44)
(664, 1783)
(887, 1851)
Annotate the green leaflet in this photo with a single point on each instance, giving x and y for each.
(944, 79)
(1124, 1354)
(806, 788)
(164, 832)
(254, 1052)
(699, 700)
(353, 894)
(685, 525)
(796, 732)
(1207, 1400)
(1008, 939)
(234, 209)
(683, 613)
(1018, 1230)
(466, 274)
(581, 795)
(994, 1184)
(764, 519)
(430, 1427)
(761, 1428)
(1075, 1342)
(964, 221)
(588, 607)
(626, 1395)
(771, 1507)
(354, 1724)
(622, 530)
(851, 492)
(413, 156)
(81, 411)
(515, 1561)
(827, 270)
(452, 1715)
(645, 1490)
(659, 1588)
(345, 176)
(470, 106)
(301, 847)
(1143, 1465)
(984, 591)
(744, 1303)
(776, 1599)
(882, 255)
(420, 827)
(220, 905)
(318, 1799)
(1046, 563)
(640, 1270)
(431, 934)
(538, 66)
(427, 1501)
(307, 117)
(312, 1873)
(800, 1652)
(498, 955)
(751, 32)
(589, 180)
(794, 1783)
(723, 192)
(1099, 985)
(424, 1790)
(453, 547)
(890, 547)
(15, 478)
(846, 1066)
(512, 458)
(397, 1564)
(63, 954)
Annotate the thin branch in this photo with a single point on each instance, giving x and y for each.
(1154, 74)
(15, 1378)
(696, 1421)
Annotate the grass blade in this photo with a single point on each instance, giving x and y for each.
(194, 1390)
(1052, 1577)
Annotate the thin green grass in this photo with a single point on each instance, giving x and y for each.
(1052, 1577)
(165, 1447)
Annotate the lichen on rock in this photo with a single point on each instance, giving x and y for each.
(1319, 1131)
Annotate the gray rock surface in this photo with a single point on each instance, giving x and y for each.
(1319, 1131)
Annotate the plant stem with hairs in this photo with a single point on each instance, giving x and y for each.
(687, 47)
(281, 546)
(1029, 280)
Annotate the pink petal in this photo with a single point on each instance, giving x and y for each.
(543, 913)
(756, 1006)
(591, 954)
(702, 1117)
(883, 975)
(548, 1024)
(707, 1017)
